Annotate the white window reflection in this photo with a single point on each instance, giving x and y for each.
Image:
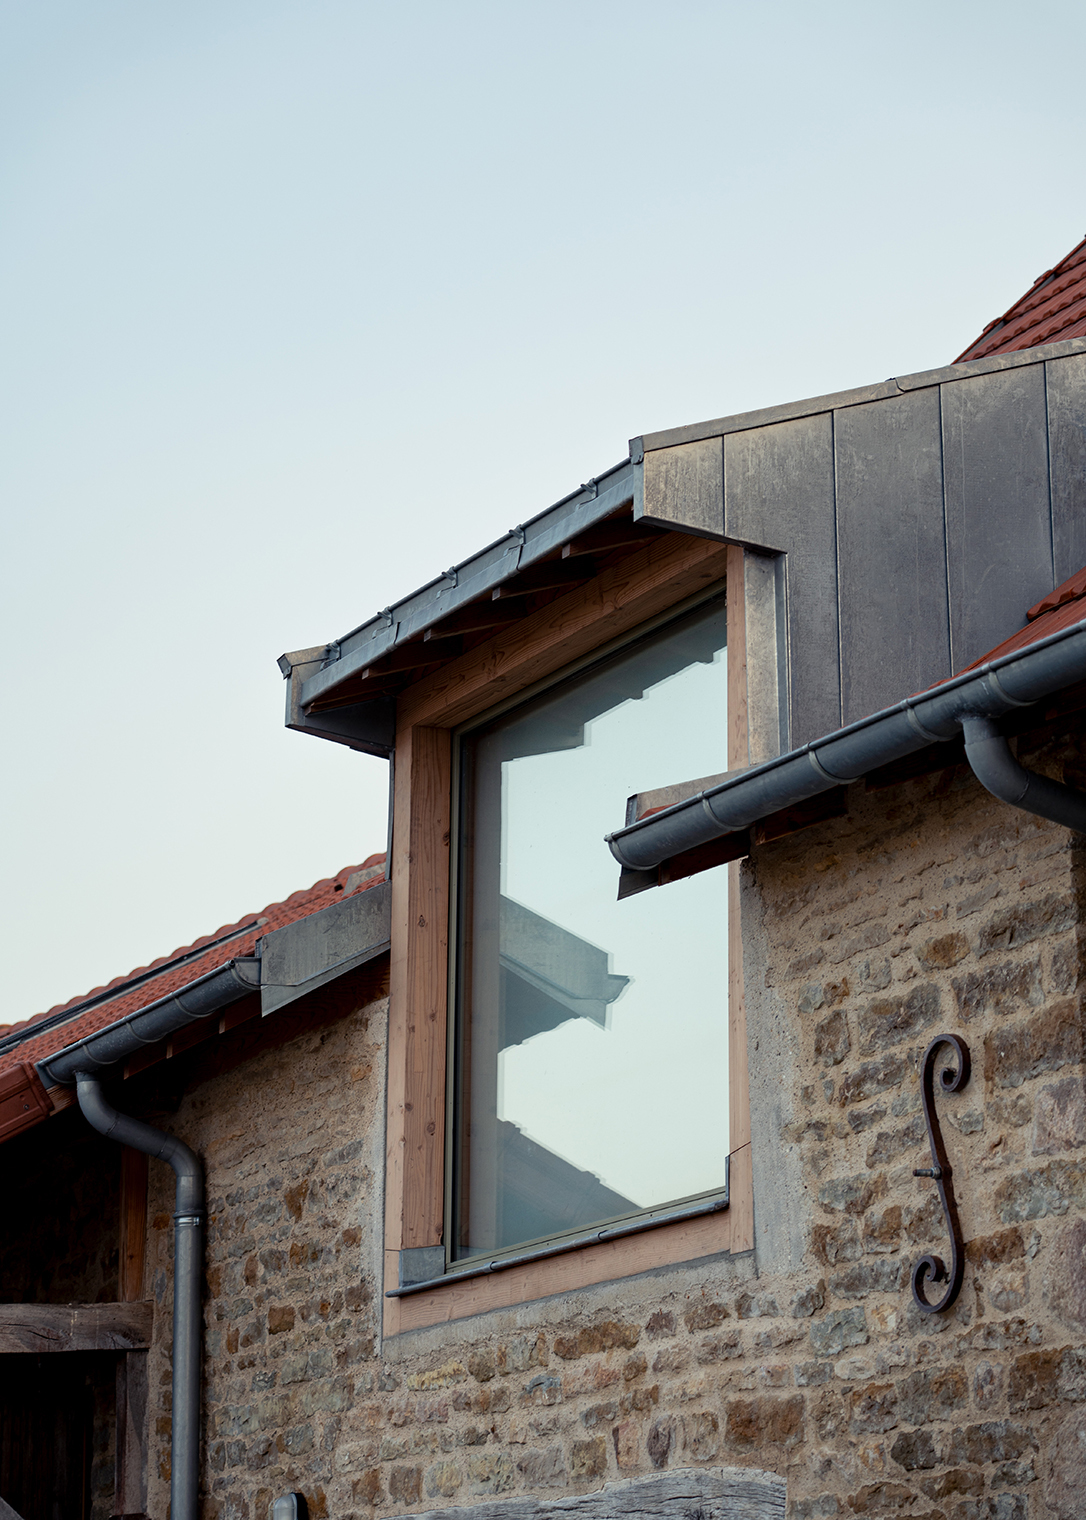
(592, 1033)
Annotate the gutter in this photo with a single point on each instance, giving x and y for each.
(969, 704)
(206, 995)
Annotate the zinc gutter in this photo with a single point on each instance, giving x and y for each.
(992, 690)
(157, 1021)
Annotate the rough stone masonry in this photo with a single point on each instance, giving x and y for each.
(930, 907)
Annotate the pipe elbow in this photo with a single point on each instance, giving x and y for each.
(998, 771)
(126, 1130)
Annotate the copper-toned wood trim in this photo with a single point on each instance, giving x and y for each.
(646, 584)
(687, 1240)
(415, 1184)
(640, 587)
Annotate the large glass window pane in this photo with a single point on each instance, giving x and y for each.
(592, 1034)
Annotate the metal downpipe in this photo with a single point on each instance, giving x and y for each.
(188, 1252)
(999, 772)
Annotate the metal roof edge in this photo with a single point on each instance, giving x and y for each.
(474, 577)
(742, 422)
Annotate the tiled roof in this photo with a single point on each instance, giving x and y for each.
(102, 1006)
(1060, 609)
(1053, 309)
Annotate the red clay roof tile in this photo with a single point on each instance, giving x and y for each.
(1053, 309)
(178, 969)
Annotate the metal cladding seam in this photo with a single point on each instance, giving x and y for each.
(991, 691)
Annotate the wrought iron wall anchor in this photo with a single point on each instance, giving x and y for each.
(952, 1079)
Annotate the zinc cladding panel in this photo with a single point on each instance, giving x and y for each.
(891, 551)
(779, 495)
(1066, 390)
(999, 531)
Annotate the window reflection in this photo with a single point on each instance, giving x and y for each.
(592, 1034)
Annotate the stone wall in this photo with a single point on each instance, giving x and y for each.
(931, 907)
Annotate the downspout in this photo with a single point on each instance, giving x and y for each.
(188, 1243)
(999, 772)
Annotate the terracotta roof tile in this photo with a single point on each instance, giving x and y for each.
(1053, 309)
(97, 1009)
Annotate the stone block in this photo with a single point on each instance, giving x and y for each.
(492, 1473)
(852, 1195)
(1065, 1280)
(1032, 1379)
(588, 1459)
(944, 951)
(887, 1022)
(998, 989)
(405, 1485)
(1048, 1189)
(1065, 1482)
(890, 1144)
(933, 1393)
(870, 1078)
(879, 1499)
(542, 1468)
(914, 1450)
(831, 1039)
(1059, 1117)
(443, 1480)
(809, 1300)
(752, 1423)
(660, 1324)
(1015, 1053)
(627, 1443)
(839, 1330)
(659, 1441)
(995, 1250)
(865, 1277)
(833, 1243)
(704, 1316)
(873, 1408)
(1026, 922)
(605, 1336)
(992, 1441)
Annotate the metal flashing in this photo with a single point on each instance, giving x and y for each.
(740, 422)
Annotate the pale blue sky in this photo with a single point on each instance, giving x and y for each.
(304, 302)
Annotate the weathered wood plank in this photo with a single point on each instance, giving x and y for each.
(649, 582)
(38, 1328)
(133, 1243)
(130, 1468)
(712, 1493)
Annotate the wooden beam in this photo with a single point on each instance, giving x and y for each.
(133, 1244)
(606, 536)
(36, 1328)
(130, 1463)
(644, 584)
(415, 1185)
(411, 655)
(477, 617)
(547, 575)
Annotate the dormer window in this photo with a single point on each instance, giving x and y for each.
(591, 1034)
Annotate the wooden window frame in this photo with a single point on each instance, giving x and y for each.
(647, 584)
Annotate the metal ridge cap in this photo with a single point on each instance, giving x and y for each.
(908, 704)
(463, 564)
(240, 982)
(880, 390)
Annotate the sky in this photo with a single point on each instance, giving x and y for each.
(302, 303)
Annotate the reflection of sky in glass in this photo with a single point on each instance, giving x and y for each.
(644, 1103)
